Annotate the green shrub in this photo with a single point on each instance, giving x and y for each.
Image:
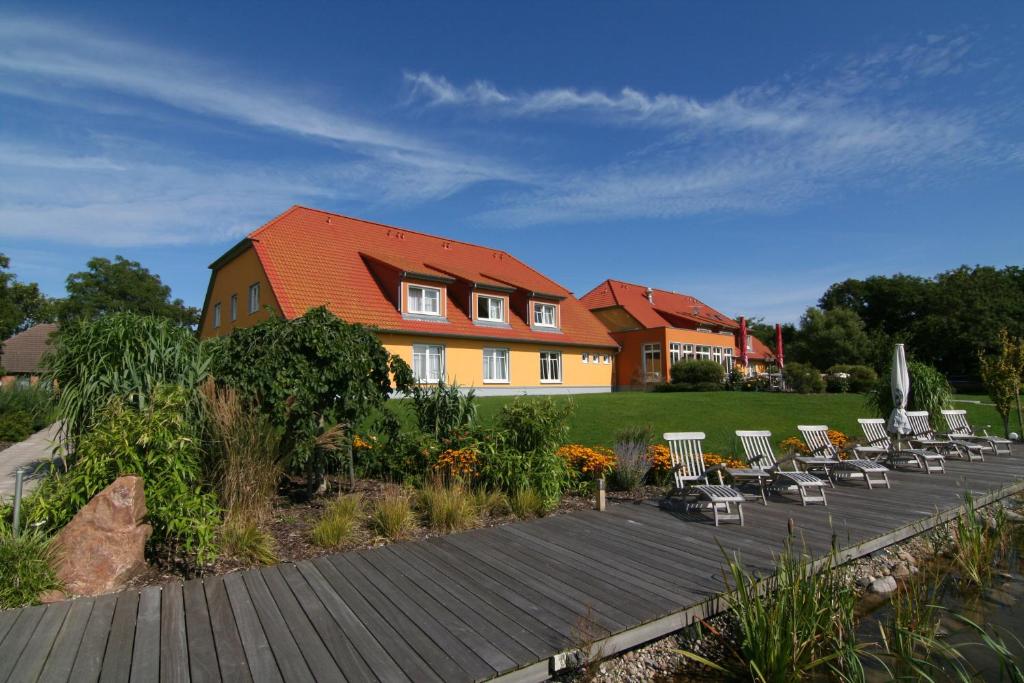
(501, 467)
(123, 357)
(157, 443)
(527, 503)
(37, 401)
(803, 378)
(26, 565)
(392, 516)
(929, 390)
(339, 523)
(697, 372)
(535, 424)
(15, 426)
(688, 386)
(447, 507)
(861, 378)
(444, 412)
(632, 458)
(245, 541)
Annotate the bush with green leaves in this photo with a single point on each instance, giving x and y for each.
(158, 443)
(929, 390)
(803, 378)
(688, 386)
(33, 402)
(15, 426)
(26, 565)
(310, 374)
(122, 357)
(860, 378)
(697, 372)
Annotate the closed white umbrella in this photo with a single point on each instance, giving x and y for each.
(899, 423)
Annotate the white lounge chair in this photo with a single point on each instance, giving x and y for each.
(960, 430)
(757, 448)
(923, 436)
(691, 477)
(880, 447)
(822, 449)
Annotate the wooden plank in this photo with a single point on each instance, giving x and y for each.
(18, 637)
(321, 664)
(117, 660)
(202, 651)
(286, 652)
(173, 639)
(7, 618)
(472, 652)
(511, 650)
(94, 641)
(65, 648)
(146, 654)
(335, 638)
(32, 659)
(258, 655)
(440, 661)
(230, 653)
(407, 658)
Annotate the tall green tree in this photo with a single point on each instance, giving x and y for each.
(21, 303)
(832, 337)
(1001, 373)
(121, 285)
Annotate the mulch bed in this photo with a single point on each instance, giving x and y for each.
(294, 515)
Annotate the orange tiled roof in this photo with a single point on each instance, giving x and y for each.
(667, 305)
(315, 258)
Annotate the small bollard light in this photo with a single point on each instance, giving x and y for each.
(19, 475)
(600, 502)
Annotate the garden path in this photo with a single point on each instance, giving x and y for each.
(33, 453)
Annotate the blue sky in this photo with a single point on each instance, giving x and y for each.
(749, 154)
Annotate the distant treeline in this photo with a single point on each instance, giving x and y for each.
(945, 320)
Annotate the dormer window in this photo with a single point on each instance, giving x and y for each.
(424, 300)
(490, 308)
(545, 315)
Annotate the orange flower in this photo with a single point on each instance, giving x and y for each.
(586, 460)
(661, 459)
(837, 438)
(457, 463)
(359, 442)
(793, 444)
(712, 459)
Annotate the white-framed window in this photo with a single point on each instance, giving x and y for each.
(254, 297)
(428, 363)
(496, 366)
(652, 362)
(703, 353)
(607, 358)
(424, 300)
(234, 307)
(216, 315)
(688, 351)
(750, 343)
(545, 315)
(491, 308)
(716, 354)
(727, 358)
(675, 353)
(586, 358)
(551, 367)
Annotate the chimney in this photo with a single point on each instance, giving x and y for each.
(650, 295)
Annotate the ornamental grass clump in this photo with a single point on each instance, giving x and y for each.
(247, 542)
(526, 503)
(976, 544)
(633, 458)
(490, 502)
(446, 507)
(392, 515)
(339, 523)
(26, 567)
(797, 624)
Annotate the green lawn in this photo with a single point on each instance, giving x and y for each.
(599, 416)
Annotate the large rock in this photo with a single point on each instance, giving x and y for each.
(103, 546)
(884, 585)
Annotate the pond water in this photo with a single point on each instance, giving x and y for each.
(998, 607)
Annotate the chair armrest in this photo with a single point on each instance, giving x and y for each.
(756, 458)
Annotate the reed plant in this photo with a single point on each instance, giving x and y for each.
(976, 545)
(797, 624)
(490, 502)
(339, 523)
(446, 506)
(26, 565)
(392, 516)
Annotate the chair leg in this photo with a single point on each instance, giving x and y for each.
(739, 511)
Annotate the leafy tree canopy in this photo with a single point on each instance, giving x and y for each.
(121, 285)
(832, 337)
(309, 374)
(22, 305)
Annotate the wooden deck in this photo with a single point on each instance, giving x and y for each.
(498, 602)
